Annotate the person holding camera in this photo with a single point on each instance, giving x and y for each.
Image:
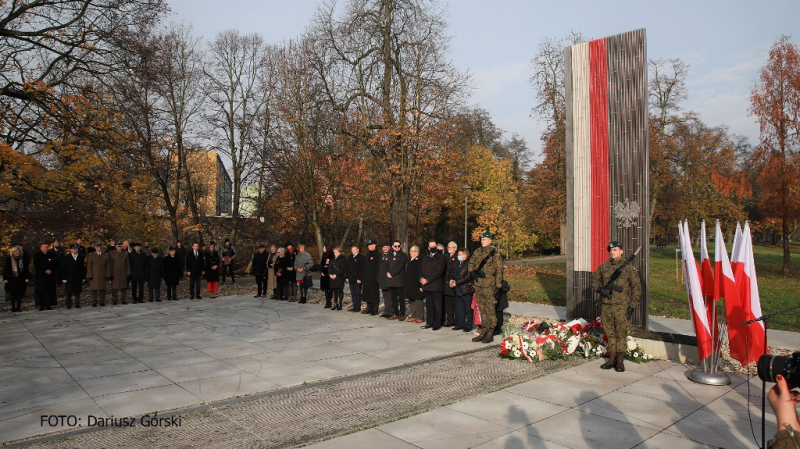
(783, 397)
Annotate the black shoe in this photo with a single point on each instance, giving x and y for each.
(125, 302)
(41, 309)
(102, 304)
(425, 327)
(158, 300)
(436, 328)
(458, 328)
(199, 297)
(365, 311)
(374, 313)
(69, 306)
(77, 306)
(94, 305)
(48, 308)
(468, 329)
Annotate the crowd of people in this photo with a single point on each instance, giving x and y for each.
(435, 289)
(122, 266)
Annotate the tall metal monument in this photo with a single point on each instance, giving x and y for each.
(607, 163)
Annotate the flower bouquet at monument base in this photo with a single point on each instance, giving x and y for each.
(635, 353)
(535, 341)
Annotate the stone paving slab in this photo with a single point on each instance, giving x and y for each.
(132, 359)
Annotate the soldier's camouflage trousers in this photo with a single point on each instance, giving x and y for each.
(486, 304)
(616, 326)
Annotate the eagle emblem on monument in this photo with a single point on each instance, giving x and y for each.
(627, 213)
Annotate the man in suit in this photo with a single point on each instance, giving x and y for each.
(138, 261)
(383, 281)
(120, 271)
(195, 263)
(432, 273)
(44, 286)
(370, 287)
(449, 293)
(397, 279)
(73, 272)
(98, 271)
(353, 276)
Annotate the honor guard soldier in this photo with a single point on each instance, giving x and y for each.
(486, 268)
(624, 295)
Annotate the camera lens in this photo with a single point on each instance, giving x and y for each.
(770, 366)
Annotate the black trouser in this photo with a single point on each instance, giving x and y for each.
(338, 297)
(450, 310)
(290, 285)
(77, 298)
(433, 306)
(281, 288)
(260, 283)
(328, 298)
(137, 290)
(303, 291)
(464, 311)
(387, 302)
(154, 292)
(398, 303)
(44, 297)
(499, 327)
(16, 301)
(355, 292)
(194, 285)
(172, 292)
(229, 269)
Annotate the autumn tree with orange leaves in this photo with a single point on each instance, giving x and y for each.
(775, 102)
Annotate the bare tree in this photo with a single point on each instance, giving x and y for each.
(232, 75)
(180, 83)
(667, 90)
(384, 63)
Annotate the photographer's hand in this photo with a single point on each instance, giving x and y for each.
(784, 403)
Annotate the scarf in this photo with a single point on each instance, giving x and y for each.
(16, 266)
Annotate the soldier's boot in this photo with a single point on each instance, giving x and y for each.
(489, 336)
(612, 360)
(620, 366)
(481, 336)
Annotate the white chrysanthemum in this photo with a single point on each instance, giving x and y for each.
(631, 344)
(636, 355)
(516, 353)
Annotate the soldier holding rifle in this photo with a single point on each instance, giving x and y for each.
(620, 289)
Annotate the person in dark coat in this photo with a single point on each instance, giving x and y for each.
(289, 281)
(324, 280)
(81, 248)
(450, 315)
(195, 269)
(155, 272)
(44, 286)
(212, 271)
(258, 268)
(272, 283)
(139, 260)
(370, 289)
(461, 283)
(180, 253)
(72, 274)
(383, 281)
(227, 254)
(282, 275)
(412, 291)
(172, 274)
(337, 271)
(355, 270)
(432, 280)
(16, 275)
(396, 282)
(58, 253)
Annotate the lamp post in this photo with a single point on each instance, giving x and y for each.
(466, 188)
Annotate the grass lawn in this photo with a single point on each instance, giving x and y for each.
(546, 284)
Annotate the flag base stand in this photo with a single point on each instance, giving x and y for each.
(702, 376)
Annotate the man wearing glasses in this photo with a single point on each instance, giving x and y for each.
(396, 275)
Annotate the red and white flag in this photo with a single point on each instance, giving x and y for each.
(725, 287)
(736, 249)
(707, 279)
(694, 292)
(749, 343)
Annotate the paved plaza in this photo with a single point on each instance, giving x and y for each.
(132, 360)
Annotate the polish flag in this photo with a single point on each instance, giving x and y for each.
(737, 247)
(707, 281)
(750, 344)
(725, 287)
(694, 292)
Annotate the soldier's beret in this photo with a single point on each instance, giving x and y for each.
(614, 244)
(487, 235)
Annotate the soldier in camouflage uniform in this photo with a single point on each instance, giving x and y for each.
(487, 280)
(615, 309)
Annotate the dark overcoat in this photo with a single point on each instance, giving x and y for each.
(212, 260)
(383, 268)
(138, 265)
(355, 268)
(73, 272)
(370, 289)
(172, 270)
(43, 262)
(338, 267)
(16, 285)
(259, 265)
(452, 261)
(324, 265)
(155, 271)
(195, 264)
(397, 268)
(412, 290)
(432, 270)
